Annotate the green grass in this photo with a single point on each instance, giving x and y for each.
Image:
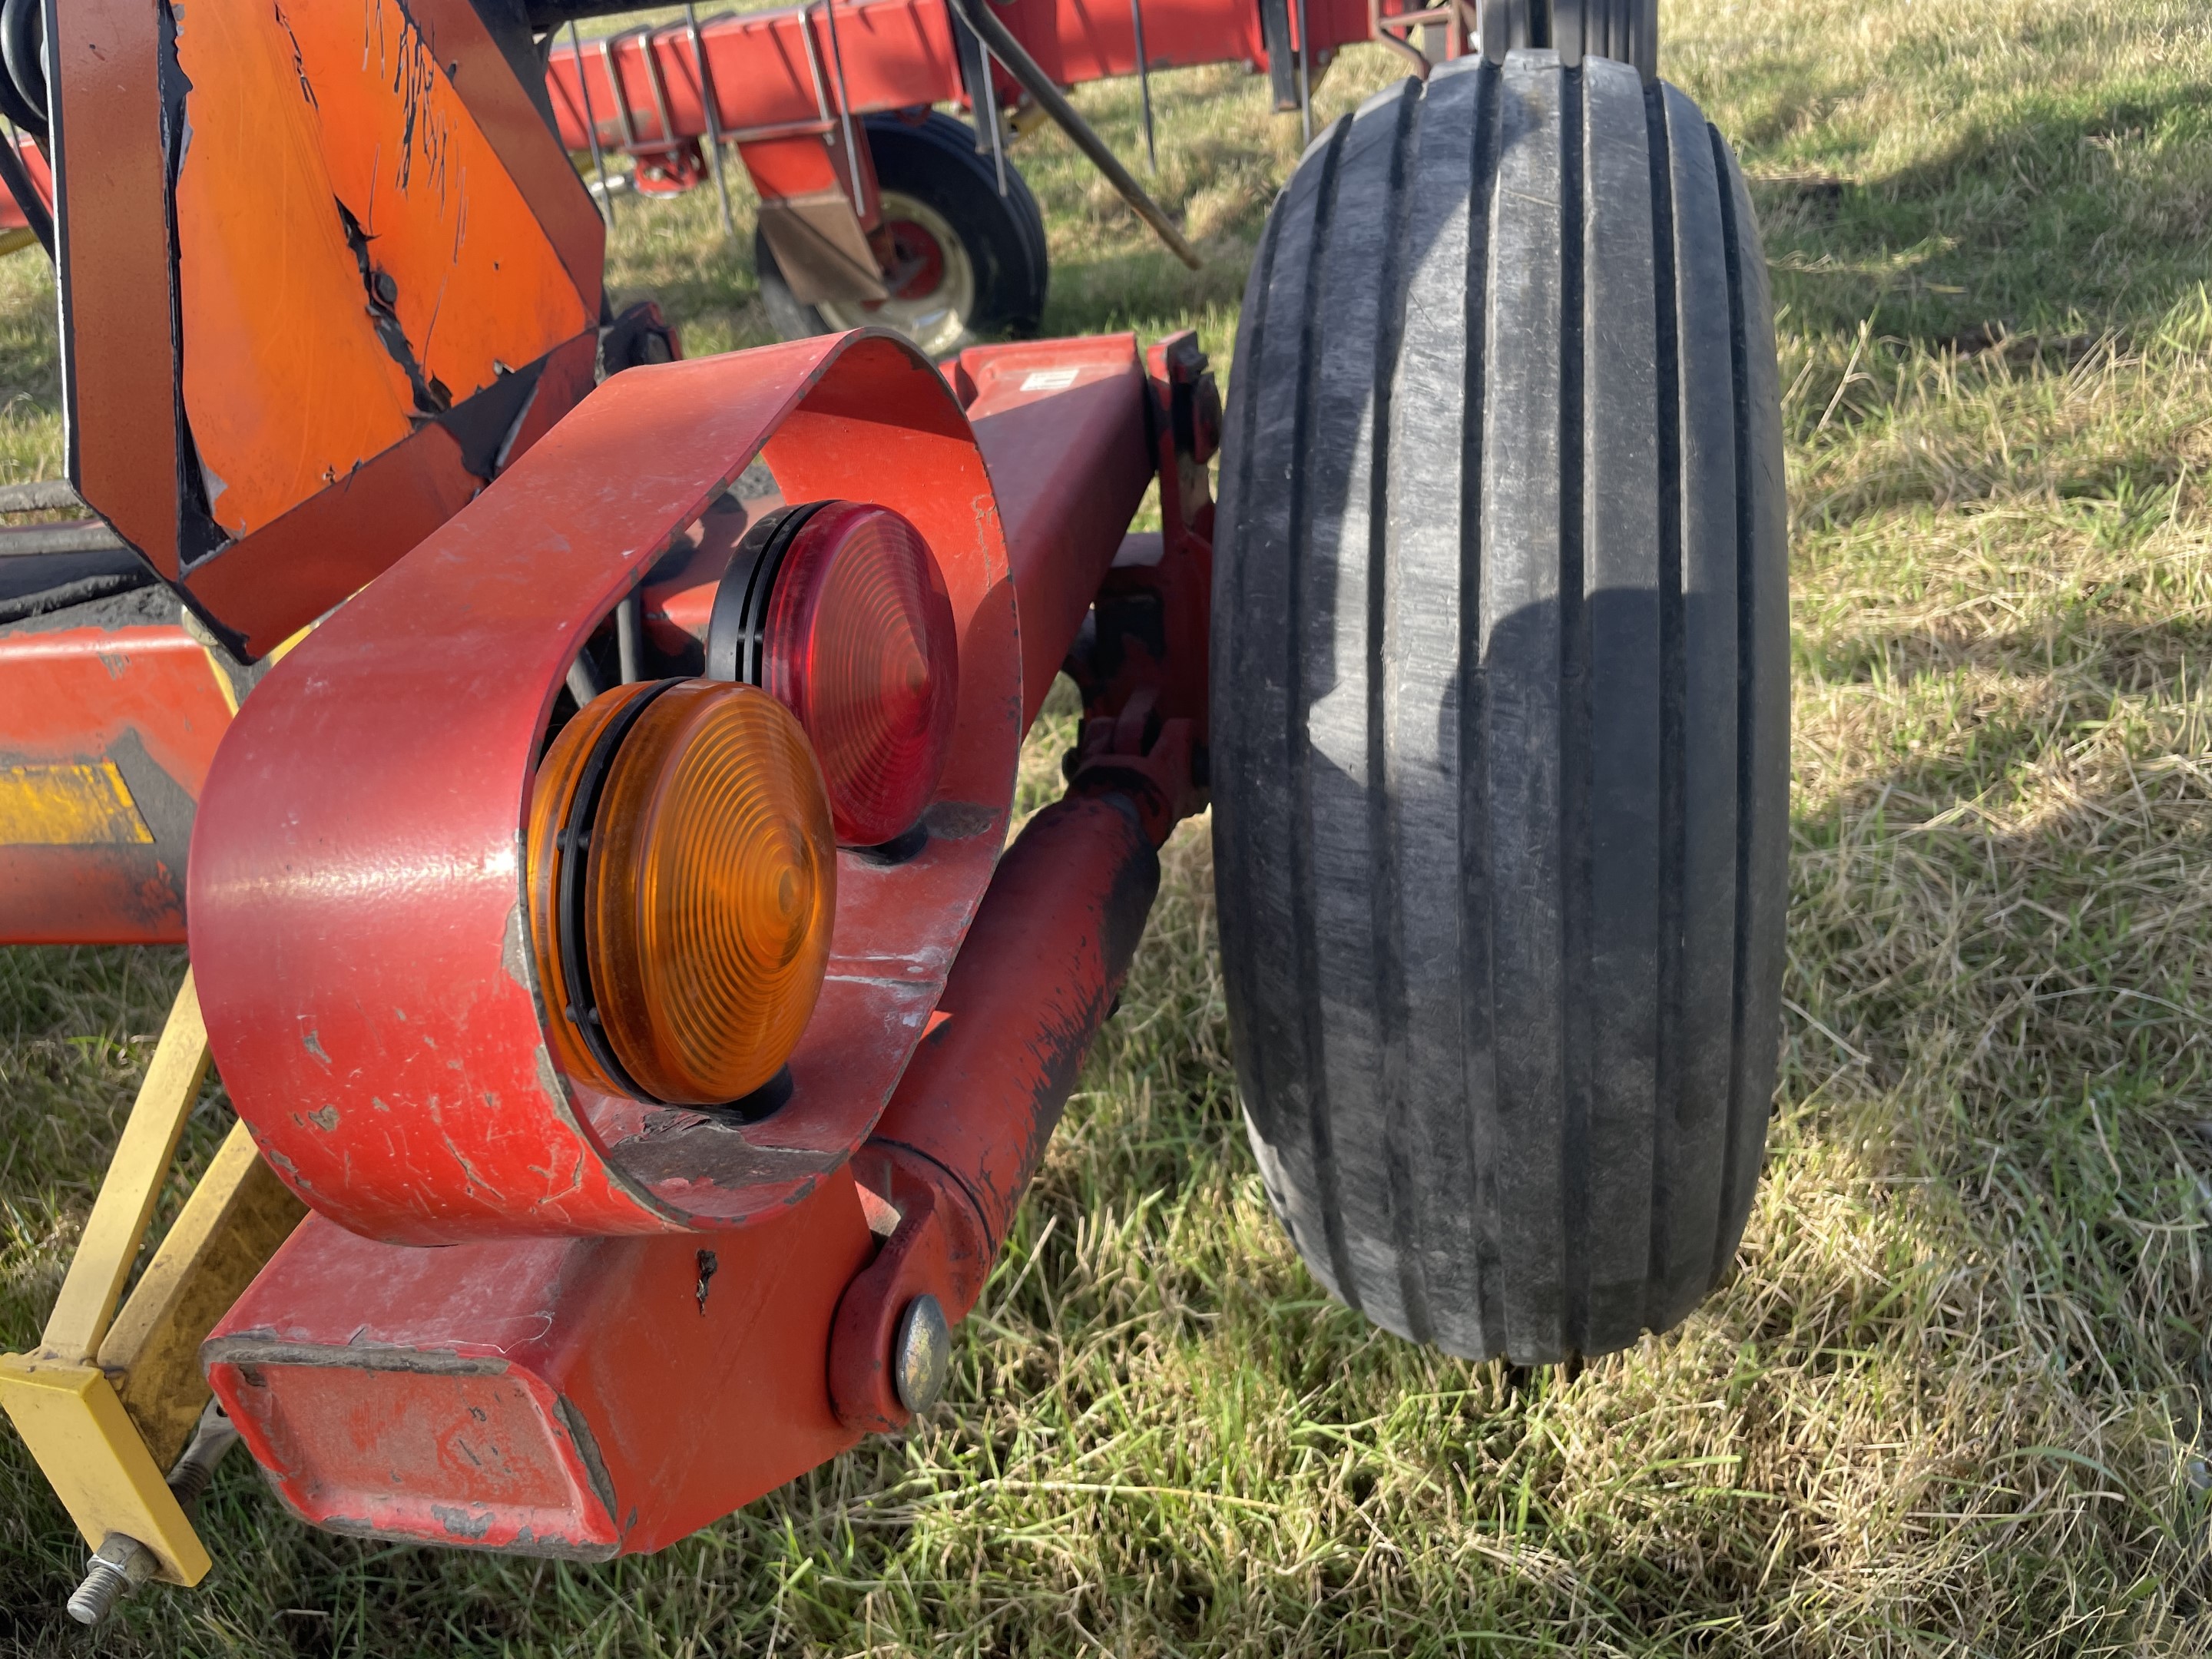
(1953, 1399)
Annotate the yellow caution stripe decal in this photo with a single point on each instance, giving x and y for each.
(69, 805)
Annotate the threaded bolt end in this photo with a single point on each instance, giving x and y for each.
(190, 1481)
(103, 1582)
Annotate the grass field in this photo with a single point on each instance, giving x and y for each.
(1953, 1399)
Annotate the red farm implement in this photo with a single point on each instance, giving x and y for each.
(872, 211)
(584, 777)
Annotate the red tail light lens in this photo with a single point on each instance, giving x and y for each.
(838, 610)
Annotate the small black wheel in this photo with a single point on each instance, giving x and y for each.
(1500, 722)
(1625, 30)
(971, 261)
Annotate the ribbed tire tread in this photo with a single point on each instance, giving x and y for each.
(1500, 722)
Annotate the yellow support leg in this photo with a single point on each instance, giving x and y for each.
(229, 1229)
(75, 1425)
(61, 1402)
(133, 1183)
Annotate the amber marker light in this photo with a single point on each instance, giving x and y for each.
(838, 609)
(683, 887)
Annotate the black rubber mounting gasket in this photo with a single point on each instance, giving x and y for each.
(575, 841)
(736, 628)
(761, 1103)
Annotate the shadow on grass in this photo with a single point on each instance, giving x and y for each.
(2074, 206)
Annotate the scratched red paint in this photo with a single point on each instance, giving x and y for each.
(357, 852)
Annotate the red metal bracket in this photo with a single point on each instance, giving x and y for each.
(131, 712)
(356, 895)
(1141, 661)
(938, 1248)
(513, 1394)
(593, 1397)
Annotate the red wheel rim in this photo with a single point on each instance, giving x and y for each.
(918, 267)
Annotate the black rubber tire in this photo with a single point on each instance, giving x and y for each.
(1626, 30)
(1500, 721)
(936, 162)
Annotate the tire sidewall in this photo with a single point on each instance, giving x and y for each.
(935, 161)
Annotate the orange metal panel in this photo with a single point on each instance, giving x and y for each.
(352, 255)
(481, 288)
(335, 542)
(278, 408)
(516, 132)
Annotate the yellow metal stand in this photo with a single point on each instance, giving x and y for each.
(104, 1446)
(229, 1229)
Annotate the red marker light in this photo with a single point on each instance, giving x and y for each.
(838, 610)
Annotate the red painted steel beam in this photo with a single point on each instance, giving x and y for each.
(773, 72)
(135, 709)
(1068, 485)
(897, 54)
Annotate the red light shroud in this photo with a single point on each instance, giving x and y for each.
(859, 644)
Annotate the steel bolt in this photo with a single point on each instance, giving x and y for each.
(922, 1353)
(214, 1435)
(120, 1564)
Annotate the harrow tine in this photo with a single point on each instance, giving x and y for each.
(714, 117)
(591, 128)
(1145, 84)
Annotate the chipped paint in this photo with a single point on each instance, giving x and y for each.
(431, 892)
(463, 1523)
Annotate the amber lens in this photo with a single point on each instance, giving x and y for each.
(711, 892)
(552, 803)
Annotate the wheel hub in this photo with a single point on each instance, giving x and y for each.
(931, 280)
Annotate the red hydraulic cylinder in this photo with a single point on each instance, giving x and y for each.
(1043, 964)
(970, 1122)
